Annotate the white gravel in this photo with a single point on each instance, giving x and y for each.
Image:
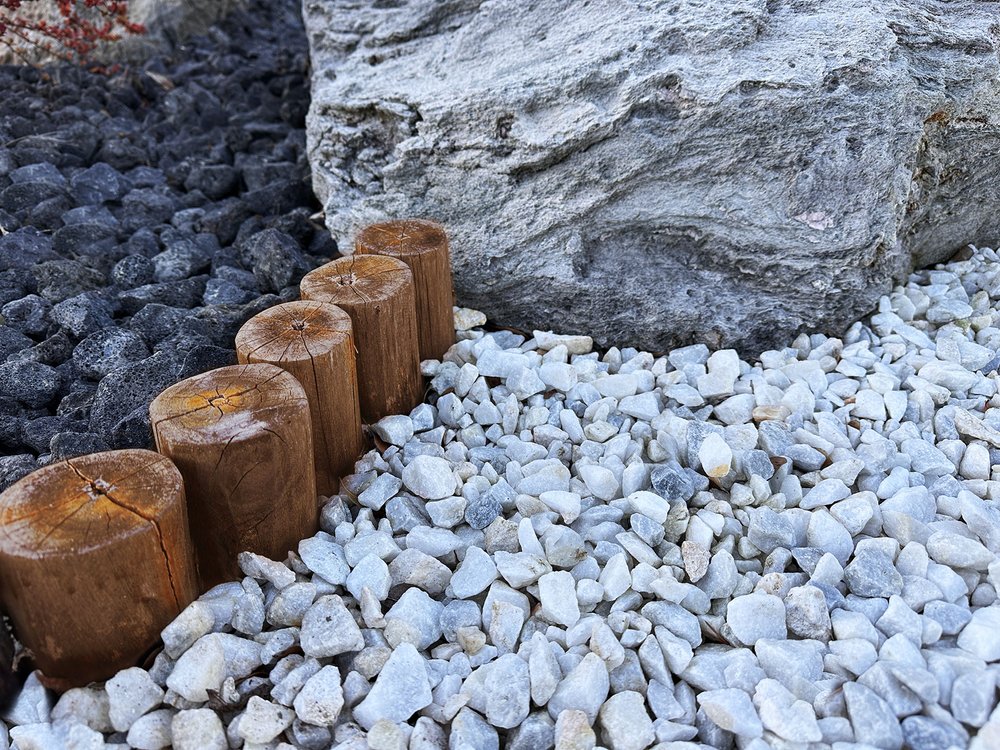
(625, 551)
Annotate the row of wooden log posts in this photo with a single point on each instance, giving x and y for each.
(98, 553)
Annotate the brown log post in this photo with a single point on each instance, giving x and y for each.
(242, 438)
(377, 292)
(95, 560)
(423, 246)
(313, 341)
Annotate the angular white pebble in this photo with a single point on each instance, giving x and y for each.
(557, 593)
(715, 456)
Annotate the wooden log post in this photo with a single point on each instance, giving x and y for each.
(95, 560)
(242, 438)
(313, 341)
(423, 246)
(377, 292)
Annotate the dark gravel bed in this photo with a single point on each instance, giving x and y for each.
(143, 218)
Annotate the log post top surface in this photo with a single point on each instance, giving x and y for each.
(78, 505)
(357, 280)
(225, 403)
(294, 332)
(402, 238)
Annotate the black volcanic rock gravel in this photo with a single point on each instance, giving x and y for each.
(144, 216)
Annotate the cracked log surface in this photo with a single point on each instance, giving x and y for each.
(95, 559)
(242, 438)
(658, 174)
(314, 342)
(377, 292)
(423, 247)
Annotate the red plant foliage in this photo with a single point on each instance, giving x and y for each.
(81, 26)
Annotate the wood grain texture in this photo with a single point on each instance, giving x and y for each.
(313, 341)
(242, 438)
(95, 560)
(423, 246)
(377, 292)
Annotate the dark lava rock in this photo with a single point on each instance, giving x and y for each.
(68, 444)
(11, 432)
(25, 248)
(29, 315)
(30, 383)
(155, 322)
(59, 280)
(97, 184)
(85, 240)
(133, 271)
(82, 314)
(13, 468)
(55, 350)
(205, 357)
(91, 215)
(48, 214)
(15, 283)
(40, 172)
(12, 341)
(222, 292)
(23, 198)
(181, 260)
(78, 402)
(259, 176)
(238, 277)
(224, 219)
(121, 153)
(129, 389)
(145, 207)
(184, 293)
(277, 197)
(143, 242)
(276, 259)
(107, 350)
(38, 432)
(215, 180)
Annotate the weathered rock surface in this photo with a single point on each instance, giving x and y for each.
(663, 173)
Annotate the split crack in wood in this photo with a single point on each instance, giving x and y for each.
(98, 488)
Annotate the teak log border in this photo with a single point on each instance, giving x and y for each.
(123, 582)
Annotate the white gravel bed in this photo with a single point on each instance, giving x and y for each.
(569, 550)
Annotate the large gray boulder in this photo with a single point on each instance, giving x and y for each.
(657, 173)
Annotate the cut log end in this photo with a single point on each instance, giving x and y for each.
(378, 294)
(402, 238)
(293, 332)
(83, 503)
(223, 400)
(423, 246)
(358, 280)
